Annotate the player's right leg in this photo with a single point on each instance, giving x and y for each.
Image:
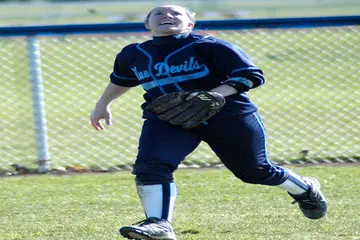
(162, 147)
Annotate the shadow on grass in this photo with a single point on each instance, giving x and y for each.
(190, 232)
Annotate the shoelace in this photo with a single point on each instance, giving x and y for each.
(155, 225)
(144, 222)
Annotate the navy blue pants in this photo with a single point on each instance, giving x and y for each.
(239, 142)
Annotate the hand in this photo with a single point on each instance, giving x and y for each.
(100, 112)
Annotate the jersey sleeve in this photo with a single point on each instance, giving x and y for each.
(122, 74)
(230, 60)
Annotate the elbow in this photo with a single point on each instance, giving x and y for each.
(258, 79)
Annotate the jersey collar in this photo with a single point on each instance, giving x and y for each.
(169, 39)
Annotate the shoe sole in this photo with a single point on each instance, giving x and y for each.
(141, 236)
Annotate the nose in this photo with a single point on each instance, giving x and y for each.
(168, 15)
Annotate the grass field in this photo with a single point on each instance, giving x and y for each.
(211, 205)
(309, 102)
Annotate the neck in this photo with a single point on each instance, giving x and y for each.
(169, 38)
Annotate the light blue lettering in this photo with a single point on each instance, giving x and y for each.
(191, 62)
(141, 75)
(163, 69)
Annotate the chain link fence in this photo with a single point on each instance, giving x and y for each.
(310, 104)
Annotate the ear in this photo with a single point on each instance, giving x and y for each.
(191, 25)
(147, 26)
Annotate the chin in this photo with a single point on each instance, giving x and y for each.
(171, 32)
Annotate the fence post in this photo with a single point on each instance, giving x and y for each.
(38, 104)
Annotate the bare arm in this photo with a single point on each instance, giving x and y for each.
(102, 107)
(225, 90)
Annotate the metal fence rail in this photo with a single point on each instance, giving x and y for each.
(51, 77)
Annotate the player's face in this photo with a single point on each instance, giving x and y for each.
(165, 21)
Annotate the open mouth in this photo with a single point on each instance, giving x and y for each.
(167, 23)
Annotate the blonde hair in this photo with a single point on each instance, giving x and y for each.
(189, 13)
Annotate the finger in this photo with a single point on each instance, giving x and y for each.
(97, 125)
(108, 121)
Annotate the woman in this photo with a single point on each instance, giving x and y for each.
(176, 60)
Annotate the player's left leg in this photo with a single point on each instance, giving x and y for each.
(240, 143)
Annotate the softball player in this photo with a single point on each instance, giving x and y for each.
(177, 60)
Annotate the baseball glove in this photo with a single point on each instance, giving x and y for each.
(177, 109)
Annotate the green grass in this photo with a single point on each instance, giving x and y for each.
(212, 204)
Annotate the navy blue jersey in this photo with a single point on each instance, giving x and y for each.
(188, 62)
